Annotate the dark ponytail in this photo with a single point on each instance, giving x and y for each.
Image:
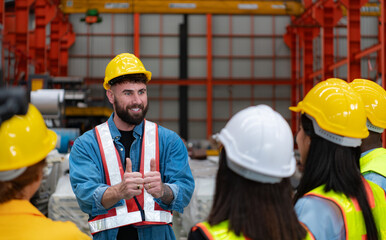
(338, 168)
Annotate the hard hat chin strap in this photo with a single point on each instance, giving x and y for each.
(338, 139)
(11, 174)
(373, 128)
(251, 175)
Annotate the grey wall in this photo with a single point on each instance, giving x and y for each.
(264, 55)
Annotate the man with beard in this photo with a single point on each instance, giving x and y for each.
(128, 173)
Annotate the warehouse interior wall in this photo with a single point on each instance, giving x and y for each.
(244, 47)
(250, 61)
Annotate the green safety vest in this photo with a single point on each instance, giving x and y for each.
(374, 161)
(353, 219)
(221, 231)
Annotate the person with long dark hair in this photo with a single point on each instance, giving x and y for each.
(333, 200)
(253, 195)
(373, 156)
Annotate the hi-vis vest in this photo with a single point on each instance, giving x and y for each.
(352, 215)
(142, 210)
(374, 161)
(221, 231)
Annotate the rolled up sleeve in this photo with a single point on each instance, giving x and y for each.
(87, 176)
(177, 173)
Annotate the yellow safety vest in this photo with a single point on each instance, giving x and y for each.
(374, 161)
(221, 232)
(352, 215)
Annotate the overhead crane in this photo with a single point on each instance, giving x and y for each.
(186, 7)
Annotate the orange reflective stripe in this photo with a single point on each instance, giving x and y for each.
(356, 204)
(369, 192)
(205, 230)
(308, 231)
(340, 207)
(102, 156)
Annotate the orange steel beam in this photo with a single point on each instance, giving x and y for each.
(54, 45)
(44, 13)
(136, 34)
(22, 8)
(2, 11)
(230, 61)
(291, 41)
(379, 56)
(308, 58)
(214, 81)
(252, 62)
(383, 52)
(368, 51)
(2, 21)
(9, 40)
(307, 29)
(67, 38)
(342, 62)
(40, 36)
(209, 83)
(353, 37)
(327, 16)
(62, 33)
(273, 63)
(203, 82)
(185, 7)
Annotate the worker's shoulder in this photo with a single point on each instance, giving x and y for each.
(86, 137)
(167, 133)
(59, 230)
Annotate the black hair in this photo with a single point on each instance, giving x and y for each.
(338, 168)
(257, 210)
(135, 78)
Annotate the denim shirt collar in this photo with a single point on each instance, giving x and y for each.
(138, 129)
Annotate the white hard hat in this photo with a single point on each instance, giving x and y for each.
(259, 145)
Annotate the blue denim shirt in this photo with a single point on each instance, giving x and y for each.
(88, 177)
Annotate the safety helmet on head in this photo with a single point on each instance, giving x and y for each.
(374, 99)
(25, 140)
(259, 145)
(124, 64)
(337, 110)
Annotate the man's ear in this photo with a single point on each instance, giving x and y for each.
(110, 95)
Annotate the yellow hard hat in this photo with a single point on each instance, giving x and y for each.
(123, 64)
(374, 98)
(25, 140)
(336, 108)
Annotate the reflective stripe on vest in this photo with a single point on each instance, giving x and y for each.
(374, 161)
(352, 215)
(220, 231)
(129, 213)
(309, 235)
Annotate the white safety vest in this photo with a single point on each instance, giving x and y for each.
(129, 213)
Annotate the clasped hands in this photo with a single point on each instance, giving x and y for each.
(133, 182)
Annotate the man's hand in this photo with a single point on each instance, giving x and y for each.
(132, 182)
(131, 185)
(152, 181)
(154, 186)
